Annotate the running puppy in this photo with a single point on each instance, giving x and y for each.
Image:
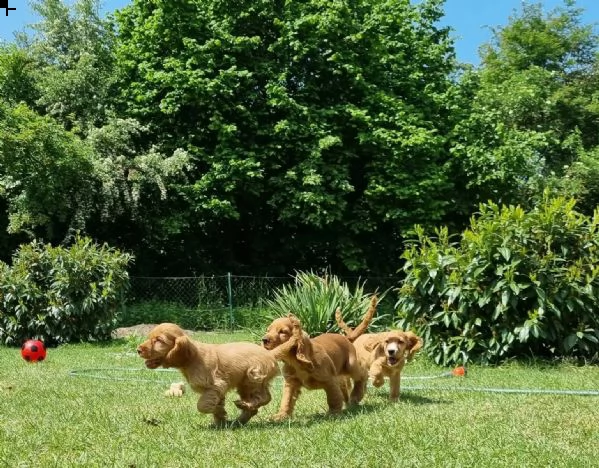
(212, 370)
(382, 355)
(325, 362)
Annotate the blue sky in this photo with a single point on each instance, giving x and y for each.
(470, 19)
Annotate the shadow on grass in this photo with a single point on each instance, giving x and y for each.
(408, 396)
(416, 399)
(349, 413)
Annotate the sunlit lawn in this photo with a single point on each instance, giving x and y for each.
(51, 418)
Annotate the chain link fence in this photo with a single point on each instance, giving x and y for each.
(220, 302)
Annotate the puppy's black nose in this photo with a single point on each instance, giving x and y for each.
(391, 352)
(138, 350)
(265, 340)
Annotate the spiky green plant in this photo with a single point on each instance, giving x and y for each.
(314, 299)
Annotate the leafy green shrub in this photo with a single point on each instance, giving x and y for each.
(314, 299)
(59, 294)
(517, 283)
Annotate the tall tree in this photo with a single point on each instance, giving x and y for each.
(45, 174)
(530, 107)
(67, 163)
(315, 127)
(73, 46)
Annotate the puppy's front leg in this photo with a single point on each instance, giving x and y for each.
(376, 372)
(394, 384)
(291, 392)
(213, 402)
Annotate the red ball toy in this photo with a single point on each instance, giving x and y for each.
(33, 351)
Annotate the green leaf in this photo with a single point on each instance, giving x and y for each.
(570, 341)
(505, 252)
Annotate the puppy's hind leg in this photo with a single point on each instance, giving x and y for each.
(252, 398)
(247, 413)
(334, 396)
(213, 402)
(345, 385)
(358, 391)
(262, 396)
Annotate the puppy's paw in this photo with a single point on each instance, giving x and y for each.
(176, 390)
(377, 380)
(280, 417)
(243, 405)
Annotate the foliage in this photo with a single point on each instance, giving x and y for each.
(17, 76)
(304, 120)
(156, 312)
(126, 173)
(263, 137)
(314, 300)
(61, 295)
(45, 174)
(73, 47)
(55, 183)
(186, 317)
(554, 41)
(97, 176)
(516, 283)
(521, 111)
(581, 180)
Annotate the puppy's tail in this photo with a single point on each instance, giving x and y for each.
(353, 334)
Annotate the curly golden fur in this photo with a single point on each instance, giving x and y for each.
(325, 362)
(212, 370)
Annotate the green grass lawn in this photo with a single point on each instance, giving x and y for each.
(51, 419)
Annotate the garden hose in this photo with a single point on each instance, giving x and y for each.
(100, 373)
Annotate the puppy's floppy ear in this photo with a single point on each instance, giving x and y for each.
(374, 342)
(301, 340)
(295, 322)
(304, 350)
(414, 344)
(180, 355)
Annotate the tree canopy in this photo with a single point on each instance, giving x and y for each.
(268, 136)
(318, 121)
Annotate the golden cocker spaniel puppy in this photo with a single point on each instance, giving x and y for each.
(212, 370)
(383, 355)
(325, 362)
